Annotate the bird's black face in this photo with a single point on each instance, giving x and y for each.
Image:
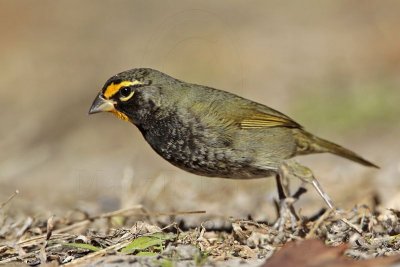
(127, 93)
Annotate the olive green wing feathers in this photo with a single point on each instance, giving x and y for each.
(268, 118)
(252, 115)
(243, 113)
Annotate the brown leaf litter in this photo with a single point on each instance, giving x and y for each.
(135, 236)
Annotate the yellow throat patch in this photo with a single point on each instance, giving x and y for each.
(120, 115)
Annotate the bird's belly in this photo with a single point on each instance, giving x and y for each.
(207, 152)
(232, 172)
(216, 162)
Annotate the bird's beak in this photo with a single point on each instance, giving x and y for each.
(101, 105)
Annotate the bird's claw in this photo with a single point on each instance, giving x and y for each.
(287, 214)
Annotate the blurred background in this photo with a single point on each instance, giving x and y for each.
(333, 66)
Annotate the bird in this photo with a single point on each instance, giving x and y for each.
(212, 132)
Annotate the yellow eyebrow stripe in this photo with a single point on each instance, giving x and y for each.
(112, 89)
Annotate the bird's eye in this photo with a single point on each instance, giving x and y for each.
(125, 93)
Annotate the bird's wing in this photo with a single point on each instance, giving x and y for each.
(251, 115)
(265, 118)
(213, 105)
(245, 115)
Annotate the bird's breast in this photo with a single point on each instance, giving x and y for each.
(198, 149)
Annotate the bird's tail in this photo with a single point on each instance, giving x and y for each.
(308, 143)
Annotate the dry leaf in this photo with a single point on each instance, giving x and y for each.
(314, 253)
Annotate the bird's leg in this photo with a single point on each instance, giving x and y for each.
(306, 175)
(286, 209)
(283, 191)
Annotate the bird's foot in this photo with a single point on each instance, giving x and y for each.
(287, 217)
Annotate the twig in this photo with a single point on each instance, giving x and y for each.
(174, 213)
(126, 211)
(8, 260)
(9, 199)
(27, 224)
(27, 255)
(101, 252)
(317, 224)
(351, 225)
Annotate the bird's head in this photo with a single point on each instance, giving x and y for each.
(132, 93)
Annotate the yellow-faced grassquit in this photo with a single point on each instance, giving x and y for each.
(211, 132)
